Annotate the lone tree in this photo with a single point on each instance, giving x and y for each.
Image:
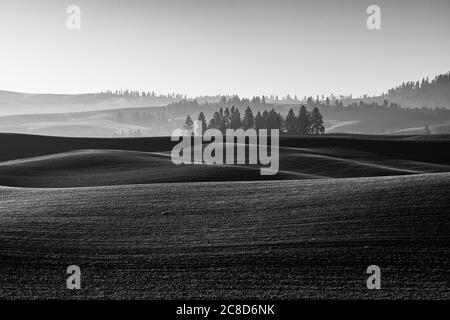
(202, 119)
(188, 123)
(265, 120)
(291, 122)
(304, 121)
(317, 122)
(248, 120)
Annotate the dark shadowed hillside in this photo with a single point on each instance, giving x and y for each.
(39, 161)
(421, 148)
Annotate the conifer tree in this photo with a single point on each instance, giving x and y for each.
(248, 120)
(304, 121)
(291, 122)
(317, 126)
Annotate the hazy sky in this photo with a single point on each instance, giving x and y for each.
(199, 47)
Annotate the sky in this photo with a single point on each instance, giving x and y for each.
(209, 47)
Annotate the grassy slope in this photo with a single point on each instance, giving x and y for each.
(281, 239)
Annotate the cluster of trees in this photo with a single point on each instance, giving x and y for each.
(382, 107)
(230, 118)
(234, 100)
(306, 122)
(141, 118)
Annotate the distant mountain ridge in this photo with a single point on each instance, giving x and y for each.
(418, 94)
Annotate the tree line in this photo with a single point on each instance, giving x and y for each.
(306, 122)
(143, 119)
(434, 93)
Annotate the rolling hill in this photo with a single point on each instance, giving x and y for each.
(18, 103)
(281, 239)
(32, 161)
(141, 228)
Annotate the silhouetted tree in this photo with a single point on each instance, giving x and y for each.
(259, 123)
(226, 119)
(235, 118)
(223, 120)
(201, 118)
(214, 123)
(188, 123)
(317, 122)
(291, 122)
(211, 124)
(248, 120)
(304, 121)
(274, 121)
(223, 100)
(265, 120)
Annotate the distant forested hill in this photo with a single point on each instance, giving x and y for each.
(425, 93)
